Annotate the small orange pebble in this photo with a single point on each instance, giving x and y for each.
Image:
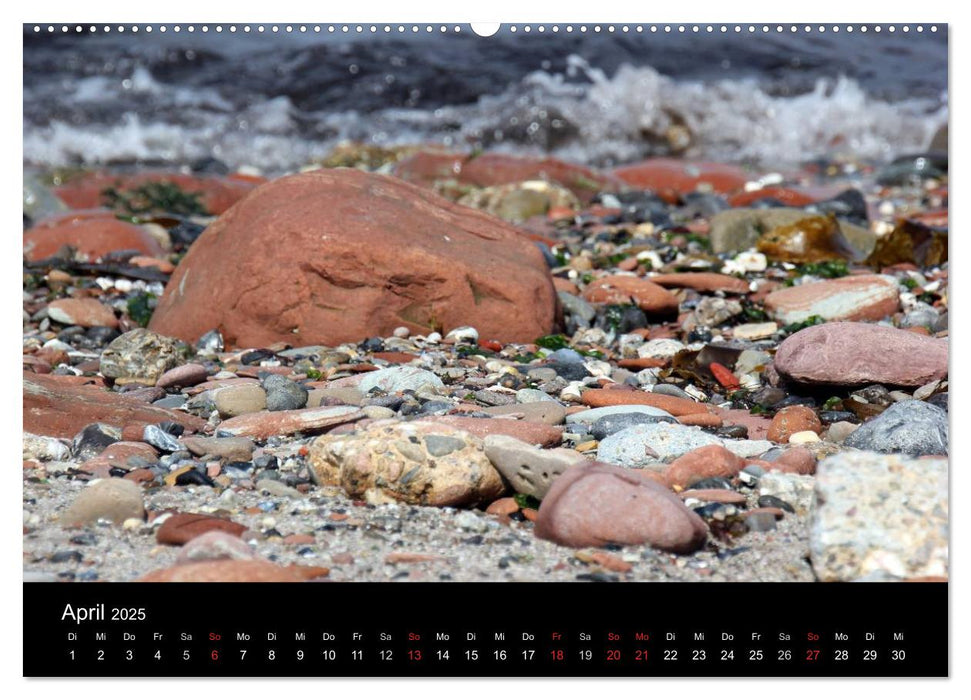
(493, 345)
(530, 514)
(724, 376)
(704, 420)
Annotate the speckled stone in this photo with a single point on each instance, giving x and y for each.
(879, 517)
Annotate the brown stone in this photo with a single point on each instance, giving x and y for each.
(623, 289)
(795, 460)
(853, 298)
(638, 363)
(179, 528)
(225, 571)
(598, 504)
(527, 431)
(395, 358)
(682, 176)
(564, 285)
(703, 463)
(605, 560)
(702, 420)
(61, 409)
(714, 495)
(266, 424)
(504, 506)
(185, 375)
(428, 265)
(793, 419)
(411, 558)
(163, 266)
(616, 397)
(852, 354)
(92, 236)
(85, 312)
(702, 282)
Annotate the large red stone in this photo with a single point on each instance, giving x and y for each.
(62, 408)
(596, 504)
(427, 167)
(682, 176)
(852, 354)
(93, 234)
(336, 256)
(216, 194)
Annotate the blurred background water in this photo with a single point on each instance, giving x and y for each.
(279, 101)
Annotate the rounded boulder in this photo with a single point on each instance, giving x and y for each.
(335, 256)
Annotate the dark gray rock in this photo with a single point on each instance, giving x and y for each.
(158, 438)
(608, 425)
(283, 394)
(93, 439)
(912, 427)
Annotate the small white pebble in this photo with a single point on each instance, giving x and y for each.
(802, 437)
(401, 332)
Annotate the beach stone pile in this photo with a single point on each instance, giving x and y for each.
(490, 368)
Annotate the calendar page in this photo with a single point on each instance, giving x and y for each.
(437, 349)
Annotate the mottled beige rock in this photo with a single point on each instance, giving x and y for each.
(419, 463)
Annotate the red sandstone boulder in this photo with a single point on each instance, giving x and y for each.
(427, 167)
(93, 234)
(335, 256)
(597, 504)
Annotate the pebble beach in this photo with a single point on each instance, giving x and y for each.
(428, 362)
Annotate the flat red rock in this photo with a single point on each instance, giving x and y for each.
(853, 298)
(225, 571)
(702, 281)
(182, 527)
(852, 354)
(528, 431)
(624, 289)
(92, 235)
(86, 312)
(674, 405)
(61, 409)
(682, 176)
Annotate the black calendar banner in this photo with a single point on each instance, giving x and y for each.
(408, 629)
